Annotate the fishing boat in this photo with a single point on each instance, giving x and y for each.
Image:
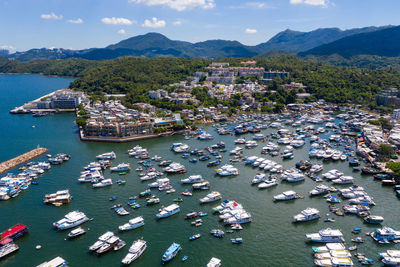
(194, 237)
(237, 240)
(190, 215)
(76, 232)
(132, 224)
(217, 233)
(171, 252)
(135, 251)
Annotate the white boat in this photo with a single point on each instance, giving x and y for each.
(344, 180)
(307, 215)
(70, 220)
(294, 177)
(258, 178)
(250, 144)
(192, 179)
(240, 141)
(385, 235)
(227, 170)
(316, 168)
(258, 136)
(270, 182)
(76, 232)
(214, 262)
(239, 218)
(160, 183)
(319, 190)
(149, 176)
(180, 147)
(250, 160)
(327, 235)
(334, 262)
(175, 167)
(101, 240)
(168, 211)
(122, 167)
(137, 249)
(211, 197)
(103, 183)
(132, 224)
(332, 174)
(108, 155)
(287, 195)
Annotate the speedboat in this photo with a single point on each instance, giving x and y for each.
(171, 252)
(307, 215)
(168, 211)
(108, 155)
(194, 237)
(137, 249)
(267, 183)
(211, 197)
(132, 224)
(103, 183)
(327, 235)
(76, 232)
(70, 220)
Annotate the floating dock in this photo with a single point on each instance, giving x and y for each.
(21, 159)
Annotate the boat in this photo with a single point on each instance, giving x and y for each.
(211, 197)
(333, 199)
(217, 233)
(70, 220)
(373, 219)
(184, 258)
(76, 232)
(121, 211)
(106, 156)
(268, 183)
(214, 262)
(287, 195)
(135, 251)
(145, 193)
(236, 226)
(358, 239)
(237, 240)
(179, 147)
(319, 190)
(62, 196)
(132, 224)
(385, 235)
(307, 215)
(175, 168)
(14, 232)
(201, 186)
(103, 183)
(108, 245)
(327, 235)
(122, 167)
(8, 249)
(101, 240)
(227, 170)
(168, 211)
(258, 178)
(190, 215)
(171, 252)
(187, 193)
(194, 237)
(334, 262)
(193, 179)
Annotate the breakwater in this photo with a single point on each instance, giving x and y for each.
(12, 163)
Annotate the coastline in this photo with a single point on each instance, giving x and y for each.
(40, 74)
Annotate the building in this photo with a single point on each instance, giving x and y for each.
(292, 86)
(388, 97)
(396, 114)
(168, 123)
(270, 75)
(158, 94)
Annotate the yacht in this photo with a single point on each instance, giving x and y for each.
(193, 179)
(250, 160)
(334, 262)
(168, 211)
(344, 180)
(70, 220)
(307, 215)
(137, 249)
(258, 178)
(171, 252)
(267, 183)
(373, 219)
(287, 195)
(250, 144)
(326, 236)
(76, 232)
(213, 196)
(122, 167)
(364, 200)
(239, 218)
(175, 168)
(132, 224)
(391, 261)
(205, 136)
(332, 174)
(294, 177)
(103, 183)
(160, 183)
(108, 155)
(319, 190)
(214, 262)
(385, 235)
(201, 186)
(227, 170)
(180, 148)
(101, 240)
(316, 168)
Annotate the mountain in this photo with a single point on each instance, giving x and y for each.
(383, 42)
(157, 45)
(296, 41)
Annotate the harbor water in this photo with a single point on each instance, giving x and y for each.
(270, 240)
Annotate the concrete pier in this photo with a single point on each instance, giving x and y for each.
(12, 163)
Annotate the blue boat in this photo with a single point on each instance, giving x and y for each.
(185, 258)
(193, 160)
(171, 252)
(112, 198)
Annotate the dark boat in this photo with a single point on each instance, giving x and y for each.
(14, 232)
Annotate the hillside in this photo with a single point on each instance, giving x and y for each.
(380, 43)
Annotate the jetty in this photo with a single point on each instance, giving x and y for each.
(12, 163)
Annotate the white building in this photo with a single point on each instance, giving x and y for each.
(396, 114)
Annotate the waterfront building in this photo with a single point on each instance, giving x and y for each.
(388, 97)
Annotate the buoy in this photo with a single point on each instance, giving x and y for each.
(38, 247)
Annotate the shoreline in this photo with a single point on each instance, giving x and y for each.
(40, 74)
(21, 159)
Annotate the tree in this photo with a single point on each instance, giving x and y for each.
(81, 121)
(395, 167)
(385, 150)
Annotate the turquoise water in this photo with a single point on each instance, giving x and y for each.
(270, 240)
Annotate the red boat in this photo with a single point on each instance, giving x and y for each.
(14, 232)
(191, 215)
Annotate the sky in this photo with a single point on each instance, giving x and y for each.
(79, 24)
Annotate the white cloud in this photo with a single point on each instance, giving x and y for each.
(323, 3)
(256, 4)
(250, 31)
(10, 48)
(154, 23)
(117, 21)
(121, 31)
(75, 21)
(51, 16)
(177, 22)
(179, 5)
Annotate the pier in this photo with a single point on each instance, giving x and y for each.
(12, 163)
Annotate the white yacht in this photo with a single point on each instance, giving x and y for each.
(214, 262)
(332, 174)
(132, 224)
(258, 178)
(175, 167)
(162, 182)
(192, 179)
(319, 190)
(239, 218)
(103, 183)
(122, 167)
(240, 141)
(149, 176)
(227, 170)
(268, 183)
(287, 195)
(168, 211)
(250, 144)
(180, 147)
(307, 215)
(326, 236)
(294, 177)
(101, 241)
(316, 168)
(137, 249)
(70, 220)
(334, 262)
(211, 197)
(385, 235)
(344, 180)
(108, 155)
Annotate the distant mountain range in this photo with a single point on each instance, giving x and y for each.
(324, 41)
